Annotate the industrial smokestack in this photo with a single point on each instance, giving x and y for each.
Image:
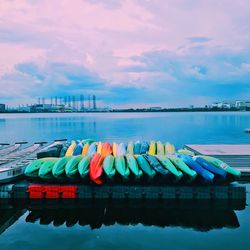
(89, 103)
(69, 101)
(94, 102)
(43, 100)
(82, 102)
(55, 100)
(39, 102)
(74, 102)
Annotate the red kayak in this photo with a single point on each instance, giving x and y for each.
(106, 149)
(96, 169)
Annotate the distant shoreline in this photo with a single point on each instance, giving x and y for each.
(138, 111)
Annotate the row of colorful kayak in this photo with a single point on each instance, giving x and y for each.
(90, 147)
(99, 162)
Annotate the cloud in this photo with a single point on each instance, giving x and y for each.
(171, 52)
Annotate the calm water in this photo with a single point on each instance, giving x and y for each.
(137, 227)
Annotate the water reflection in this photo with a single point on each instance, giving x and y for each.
(199, 215)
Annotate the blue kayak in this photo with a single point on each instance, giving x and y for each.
(207, 176)
(144, 147)
(92, 149)
(78, 149)
(205, 164)
(122, 149)
(137, 148)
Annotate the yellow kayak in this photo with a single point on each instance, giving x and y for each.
(85, 149)
(115, 148)
(99, 147)
(152, 148)
(71, 149)
(169, 148)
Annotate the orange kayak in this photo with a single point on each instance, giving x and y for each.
(106, 149)
(96, 169)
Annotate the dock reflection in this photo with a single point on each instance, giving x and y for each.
(200, 216)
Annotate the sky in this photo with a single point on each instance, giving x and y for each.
(129, 53)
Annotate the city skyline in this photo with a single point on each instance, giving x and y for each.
(130, 53)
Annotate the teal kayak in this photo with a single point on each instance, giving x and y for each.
(109, 167)
(220, 164)
(122, 167)
(137, 148)
(170, 167)
(71, 168)
(133, 166)
(58, 170)
(83, 166)
(33, 168)
(179, 163)
(45, 171)
(145, 167)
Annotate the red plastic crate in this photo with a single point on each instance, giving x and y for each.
(68, 189)
(52, 195)
(35, 195)
(52, 188)
(68, 195)
(35, 188)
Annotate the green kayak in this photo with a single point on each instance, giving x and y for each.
(179, 163)
(144, 165)
(45, 171)
(83, 166)
(108, 166)
(170, 167)
(71, 168)
(220, 164)
(58, 169)
(130, 148)
(133, 166)
(33, 168)
(160, 148)
(121, 167)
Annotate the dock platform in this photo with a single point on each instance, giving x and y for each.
(235, 155)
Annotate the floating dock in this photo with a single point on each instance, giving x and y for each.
(235, 155)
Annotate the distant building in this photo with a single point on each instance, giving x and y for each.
(2, 107)
(155, 108)
(242, 104)
(224, 104)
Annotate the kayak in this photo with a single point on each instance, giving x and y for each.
(130, 148)
(96, 169)
(71, 149)
(87, 141)
(215, 170)
(71, 168)
(106, 149)
(83, 166)
(220, 164)
(114, 149)
(45, 171)
(33, 168)
(64, 149)
(144, 147)
(169, 148)
(185, 152)
(152, 148)
(133, 166)
(160, 148)
(207, 176)
(99, 147)
(145, 167)
(109, 167)
(92, 149)
(137, 148)
(85, 149)
(170, 167)
(156, 164)
(58, 170)
(180, 164)
(121, 167)
(78, 149)
(121, 151)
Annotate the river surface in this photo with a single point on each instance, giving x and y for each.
(188, 226)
